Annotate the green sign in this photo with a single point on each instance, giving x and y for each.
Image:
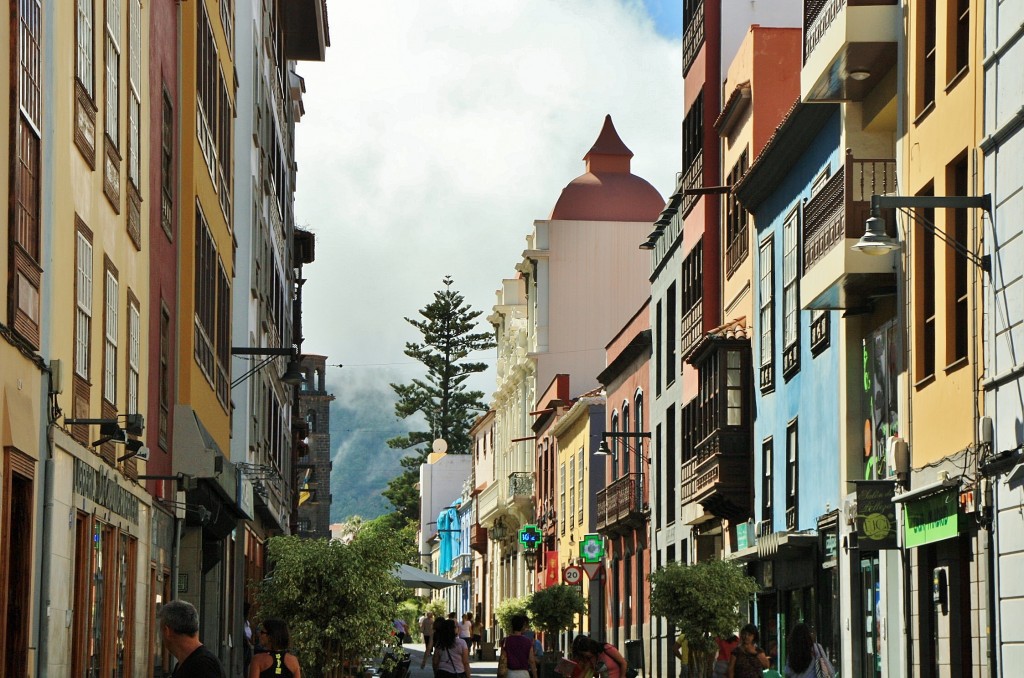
(876, 515)
(744, 535)
(529, 536)
(931, 519)
(591, 548)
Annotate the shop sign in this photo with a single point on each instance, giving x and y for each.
(829, 548)
(930, 519)
(100, 486)
(744, 535)
(876, 515)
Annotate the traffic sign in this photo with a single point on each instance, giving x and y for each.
(595, 571)
(572, 575)
(592, 548)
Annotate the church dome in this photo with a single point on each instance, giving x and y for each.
(608, 191)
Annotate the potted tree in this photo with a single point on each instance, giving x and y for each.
(702, 600)
(553, 610)
(339, 600)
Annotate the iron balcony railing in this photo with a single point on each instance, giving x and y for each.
(621, 504)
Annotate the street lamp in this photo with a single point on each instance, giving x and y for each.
(877, 242)
(603, 450)
(292, 374)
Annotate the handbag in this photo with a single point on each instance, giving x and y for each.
(822, 667)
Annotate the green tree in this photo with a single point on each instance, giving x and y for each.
(338, 599)
(448, 407)
(554, 609)
(702, 600)
(509, 608)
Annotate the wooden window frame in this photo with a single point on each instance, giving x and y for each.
(112, 103)
(791, 293)
(766, 310)
(167, 172)
(85, 80)
(164, 378)
(957, 287)
(792, 475)
(111, 344)
(737, 219)
(16, 516)
(925, 293)
(768, 480)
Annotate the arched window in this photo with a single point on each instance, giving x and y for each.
(615, 444)
(628, 444)
(638, 422)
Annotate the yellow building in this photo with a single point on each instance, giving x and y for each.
(940, 157)
(578, 433)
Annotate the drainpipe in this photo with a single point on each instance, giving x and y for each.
(43, 652)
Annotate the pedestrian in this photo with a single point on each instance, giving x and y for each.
(804, 656)
(400, 630)
(517, 651)
(748, 659)
(451, 654)
(247, 642)
(429, 644)
(594, 658)
(681, 649)
(277, 661)
(725, 648)
(179, 628)
(466, 630)
(426, 624)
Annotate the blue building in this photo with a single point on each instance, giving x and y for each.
(797, 397)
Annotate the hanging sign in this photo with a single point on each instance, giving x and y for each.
(931, 519)
(592, 548)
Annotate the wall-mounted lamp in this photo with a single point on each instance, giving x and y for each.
(603, 450)
(111, 431)
(292, 374)
(877, 242)
(498, 531)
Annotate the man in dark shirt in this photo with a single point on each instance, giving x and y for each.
(179, 625)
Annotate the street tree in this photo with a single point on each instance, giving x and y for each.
(441, 399)
(703, 600)
(554, 609)
(339, 599)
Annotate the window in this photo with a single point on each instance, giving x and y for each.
(134, 90)
(733, 388)
(638, 424)
(692, 298)
(83, 302)
(113, 71)
(25, 276)
(792, 476)
(167, 166)
(820, 320)
(791, 293)
(215, 114)
(671, 311)
(110, 323)
(693, 132)
(579, 485)
(134, 354)
(628, 444)
(16, 567)
(925, 282)
(671, 465)
(736, 233)
(658, 317)
(572, 490)
(959, 43)
(658, 471)
(227, 21)
(926, 55)
(615, 444)
(164, 375)
(767, 313)
(205, 295)
(767, 486)
(561, 492)
(85, 47)
(223, 341)
(957, 316)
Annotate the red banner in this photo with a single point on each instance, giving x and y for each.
(552, 571)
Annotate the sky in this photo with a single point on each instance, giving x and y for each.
(437, 131)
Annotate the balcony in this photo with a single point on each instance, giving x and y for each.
(691, 329)
(693, 177)
(620, 506)
(520, 488)
(693, 37)
(488, 501)
(306, 36)
(718, 476)
(462, 567)
(849, 47)
(791, 519)
(478, 538)
(834, 275)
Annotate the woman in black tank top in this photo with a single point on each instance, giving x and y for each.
(277, 662)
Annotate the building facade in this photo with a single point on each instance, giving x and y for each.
(314, 460)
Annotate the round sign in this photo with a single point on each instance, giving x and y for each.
(572, 574)
(439, 445)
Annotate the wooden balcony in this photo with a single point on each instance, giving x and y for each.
(691, 329)
(621, 506)
(693, 37)
(835, 276)
(478, 538)
(849, 47)
(306, 35)
(718, 476)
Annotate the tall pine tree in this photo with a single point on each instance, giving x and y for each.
(447, 327)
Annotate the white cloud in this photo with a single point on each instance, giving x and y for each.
(436, 132)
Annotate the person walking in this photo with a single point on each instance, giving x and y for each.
(594, 658)
(681, 649)
(725, 648)
(804, 656)
(428, 645)
(748, 660)
(517, 651)
(179, 628)
(451, 654)
(466, 630)
(277, 661)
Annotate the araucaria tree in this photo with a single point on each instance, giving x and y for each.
(448, 328)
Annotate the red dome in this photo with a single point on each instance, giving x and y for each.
(608, 191)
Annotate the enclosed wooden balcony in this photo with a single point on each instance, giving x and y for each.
(478, 538)
(849, 47)
(621, 506)
(306, 34)
(835, 276)
(718, 476)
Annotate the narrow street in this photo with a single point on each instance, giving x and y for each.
(477, 668)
